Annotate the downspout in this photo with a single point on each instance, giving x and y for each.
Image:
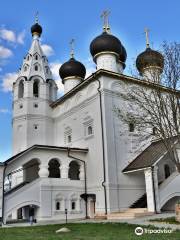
(85, 178)
(102, 128)
(154, 192)
(5, 165)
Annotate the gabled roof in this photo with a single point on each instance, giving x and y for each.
(102, 72)
(148, 157)
(85, 150)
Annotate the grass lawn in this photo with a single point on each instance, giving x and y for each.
(84, 231)
(170, 220)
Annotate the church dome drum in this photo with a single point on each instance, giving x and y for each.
(72, 68)
(149, 58)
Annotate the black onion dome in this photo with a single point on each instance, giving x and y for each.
(123, 54)
(149, 58)
(36, 28)
(72, 68)
(107, 43)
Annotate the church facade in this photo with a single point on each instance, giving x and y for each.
(73, 153)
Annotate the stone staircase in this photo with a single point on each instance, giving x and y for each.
(129, 214)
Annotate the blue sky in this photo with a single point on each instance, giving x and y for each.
(62, 20)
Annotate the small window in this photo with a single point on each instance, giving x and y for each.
(90, 130)
(36, 57)
(25, 68)
(73, 205)
(57, 205)
(47, 70)
(36, 68)
(36, 105)
(35, 126)
(69, 138)
(28, 57)
(131, 127)
(20, 106)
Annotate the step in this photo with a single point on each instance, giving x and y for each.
(137, 210)
(100, 217)
(128, 215)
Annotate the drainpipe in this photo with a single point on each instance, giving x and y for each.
(3, 223)
(103, 148)
(85, 178)
(154, 193)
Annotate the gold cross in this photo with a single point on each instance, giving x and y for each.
(105, 17)
(146, 30)
(37, 17)
(72, 48)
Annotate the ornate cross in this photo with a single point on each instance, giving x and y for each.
(72, 48)
(37, 17)
(105, 17)
(146, 30)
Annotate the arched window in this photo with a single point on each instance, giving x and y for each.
(21, 90)
(131, 127)
(74, 170)
(58, 205)
(73, 205)
(25, 68)
(36, 57)
(36, 89)
(36, 67)
(167, 171)
(54, 171)
(90, 130)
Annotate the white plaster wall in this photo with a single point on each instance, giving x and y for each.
(1, 188)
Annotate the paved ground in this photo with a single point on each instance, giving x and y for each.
(137, 221)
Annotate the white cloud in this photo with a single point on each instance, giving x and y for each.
(5, 52)
(11, 36)
(4, 110)
(55, 72)
(90, 67)
(47, 50)
(7, 81)
(8, 35)
(20, 37)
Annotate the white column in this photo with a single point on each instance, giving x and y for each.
(14, 214)
(64, 171)
(82, 174)
(156, 187)
(149, 190)
(43, 171)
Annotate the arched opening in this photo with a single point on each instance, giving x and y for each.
(170, 204)
(58, 205)
(90, 130)
(30, 170)
(167, 172)
(36, 88)
(36, 67)
(21, 90)
(54, 171)
(74, 170)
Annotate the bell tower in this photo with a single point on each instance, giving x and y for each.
(33, 92)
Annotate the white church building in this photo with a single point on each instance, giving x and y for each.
(73, 152)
